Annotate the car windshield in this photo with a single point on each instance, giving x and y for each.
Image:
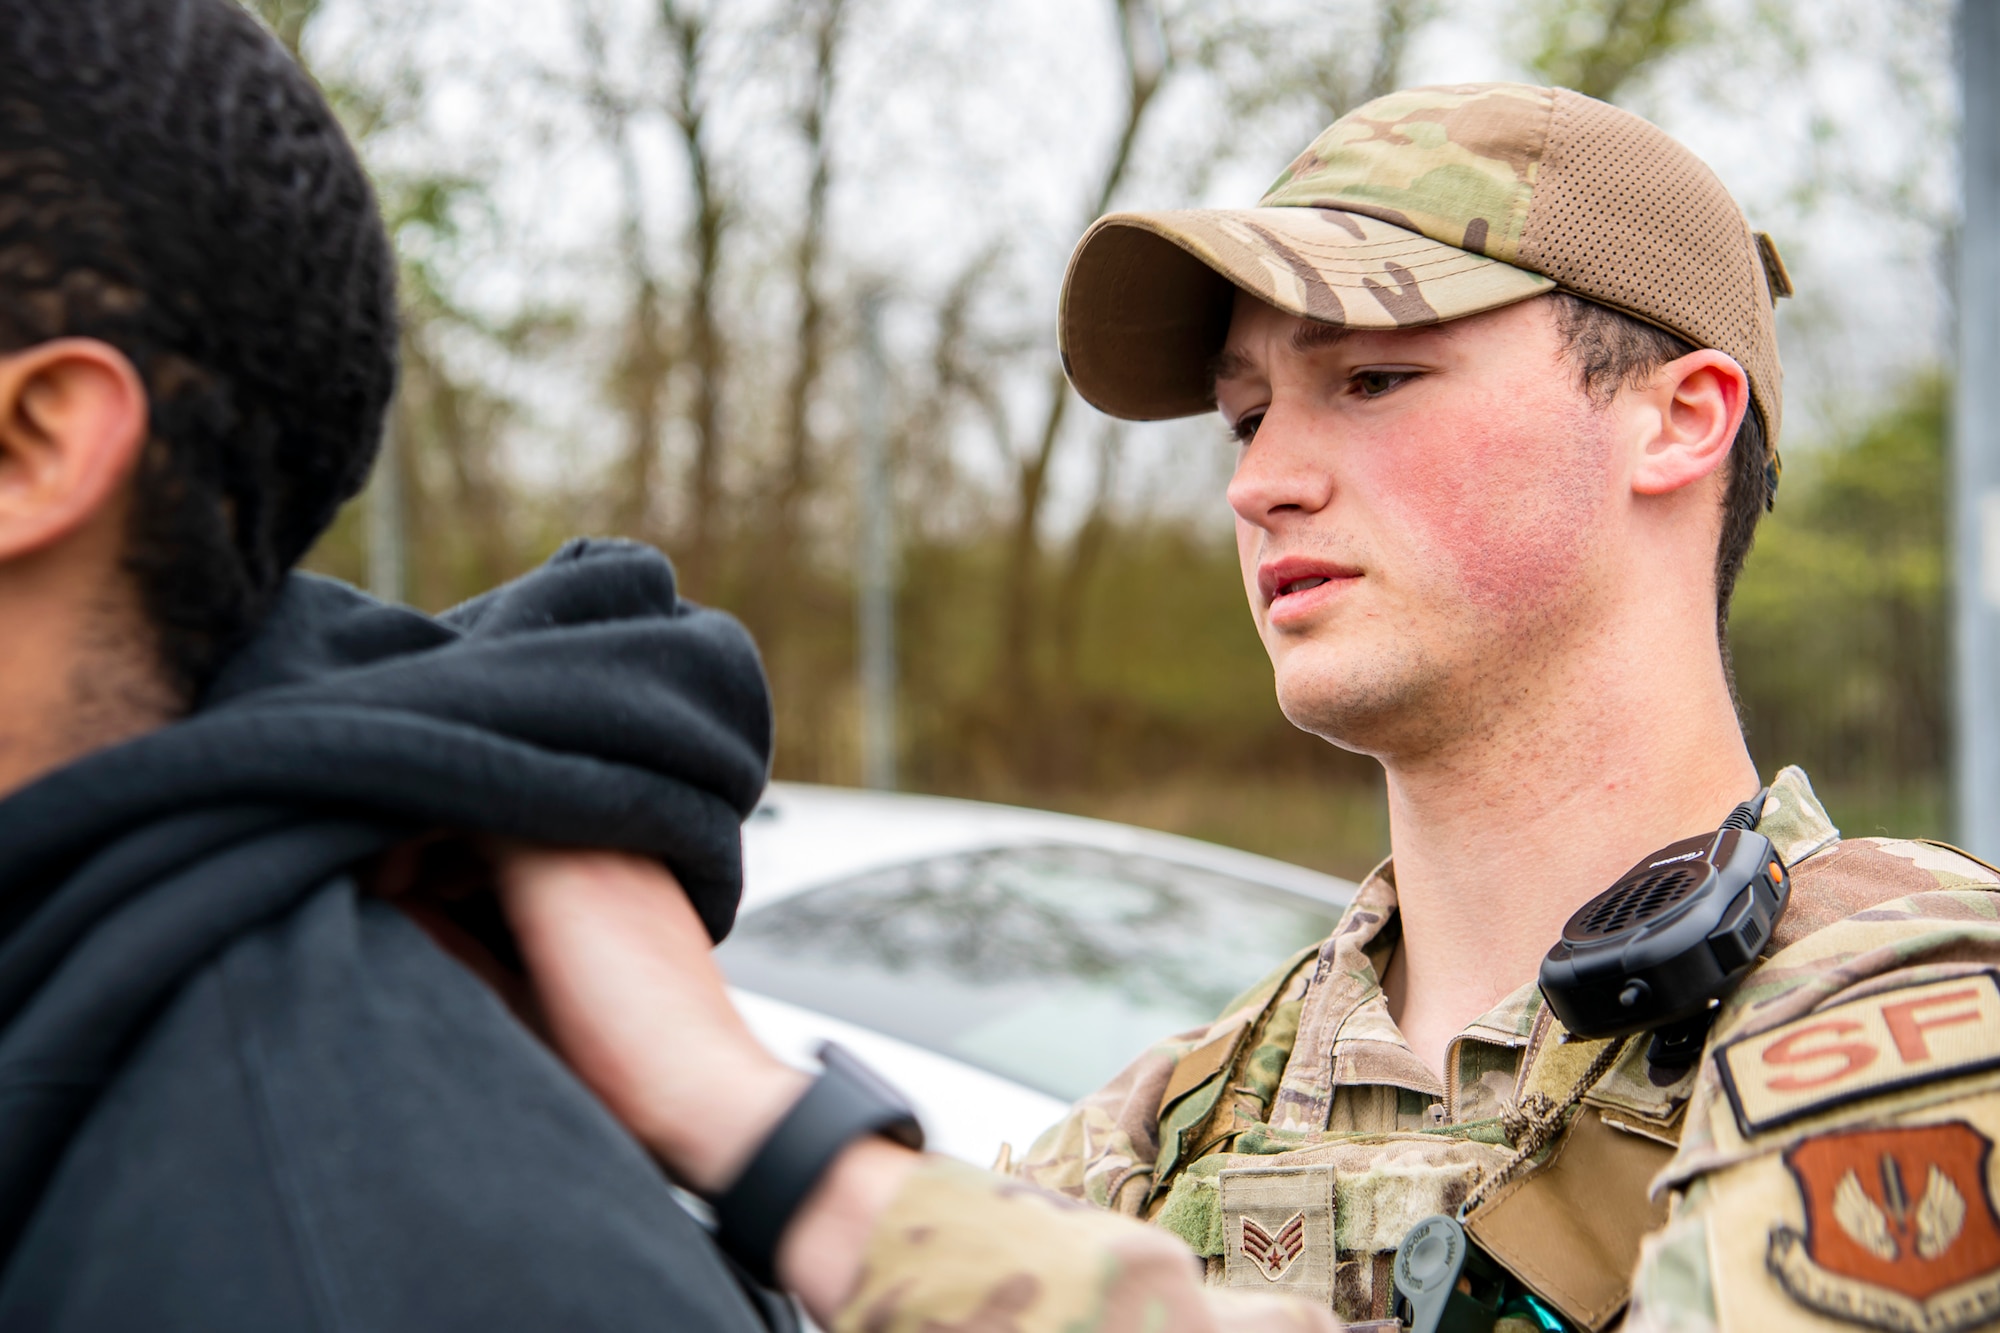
(1050, 965)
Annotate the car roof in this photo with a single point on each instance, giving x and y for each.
(802, 835)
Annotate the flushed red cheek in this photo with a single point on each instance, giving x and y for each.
(1492, 509)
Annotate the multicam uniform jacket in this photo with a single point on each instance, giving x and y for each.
(1827, 1163)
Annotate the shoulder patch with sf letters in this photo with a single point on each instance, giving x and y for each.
(1863, 1048)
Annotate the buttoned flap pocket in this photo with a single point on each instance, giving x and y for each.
(1278, 1229)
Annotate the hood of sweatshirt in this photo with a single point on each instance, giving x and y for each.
(582, 704)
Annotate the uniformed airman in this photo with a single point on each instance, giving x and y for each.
(1501, 367)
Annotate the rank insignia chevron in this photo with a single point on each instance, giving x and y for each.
(1273, 1254)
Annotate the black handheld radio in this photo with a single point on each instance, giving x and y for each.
(1655, 952)
(1658, 950)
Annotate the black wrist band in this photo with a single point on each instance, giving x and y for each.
(846, 1102)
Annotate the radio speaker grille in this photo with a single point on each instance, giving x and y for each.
(1639, 900)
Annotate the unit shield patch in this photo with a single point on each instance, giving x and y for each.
(1900, 1231)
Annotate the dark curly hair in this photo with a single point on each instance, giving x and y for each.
(173, 184)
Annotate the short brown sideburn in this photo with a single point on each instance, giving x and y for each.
(1611, 350)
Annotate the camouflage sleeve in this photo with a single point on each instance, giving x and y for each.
(961, 1248)
(1836, 1162)
(1103, 1152)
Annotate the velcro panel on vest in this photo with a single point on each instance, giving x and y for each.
(1195, 1087)
(1202, 1063)
(1571, 1230)
(1200, 1078)
(1383, 1185)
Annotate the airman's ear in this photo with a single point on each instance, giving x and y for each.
(1690, 413)
(73, 422)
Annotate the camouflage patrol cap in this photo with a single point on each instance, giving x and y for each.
(1428, 205)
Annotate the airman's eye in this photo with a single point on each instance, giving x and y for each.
(1244, 429)
(1375, 383)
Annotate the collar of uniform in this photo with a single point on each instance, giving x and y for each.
(1346, 1036)
(1793, 819)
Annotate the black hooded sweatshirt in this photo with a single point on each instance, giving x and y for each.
(236, 1092)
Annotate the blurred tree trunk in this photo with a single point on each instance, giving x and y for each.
(688, 37)
(1145, 55)
(777, 602)
(641, 387)
(1085, 554)
(460, 501)
(638, 380)
(824, 27)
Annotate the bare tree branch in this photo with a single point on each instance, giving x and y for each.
(1597, 47)
(289, 19)
(1396, 25)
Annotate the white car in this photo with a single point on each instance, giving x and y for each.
(992, 962)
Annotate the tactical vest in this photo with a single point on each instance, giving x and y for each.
(1321, 1215)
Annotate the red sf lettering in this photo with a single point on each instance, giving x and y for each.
(1908, 1023)
(1853, 1055)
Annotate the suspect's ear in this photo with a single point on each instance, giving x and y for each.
(73, 420)
(1690, 413)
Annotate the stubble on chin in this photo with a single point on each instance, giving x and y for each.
(1419, 696)
(1398, 702)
